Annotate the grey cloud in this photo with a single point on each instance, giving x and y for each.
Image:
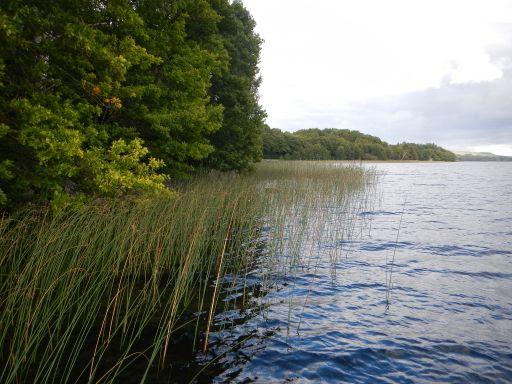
(461, 115)
(467, 114)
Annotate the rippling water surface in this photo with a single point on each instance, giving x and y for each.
(449, 317)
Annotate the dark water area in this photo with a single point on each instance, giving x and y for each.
(421, 293)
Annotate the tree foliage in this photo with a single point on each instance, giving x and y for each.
(344, 144)
(238, 143)
(99, 98)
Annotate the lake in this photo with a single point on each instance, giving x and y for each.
(421, 291)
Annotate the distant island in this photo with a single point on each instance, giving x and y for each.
(481, 156)
(344, 144)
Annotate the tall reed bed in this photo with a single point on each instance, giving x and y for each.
(87, 294)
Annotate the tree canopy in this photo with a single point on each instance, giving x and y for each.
(344, 144)
(103, 97)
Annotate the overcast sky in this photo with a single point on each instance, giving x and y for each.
(404, 70)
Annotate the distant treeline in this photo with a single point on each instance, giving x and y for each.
(101, 98)
(482, 157)
(344, 144)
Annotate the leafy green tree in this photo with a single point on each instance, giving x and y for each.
(64, 67)
(238, 142)
(342, 151)
(5, 168)
(170, 108)
(106, 97)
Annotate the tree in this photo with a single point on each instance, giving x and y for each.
(238, 142)
(63, 69)
(101, 98)
(343, 144)
(171, 108)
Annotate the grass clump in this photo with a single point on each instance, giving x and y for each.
(88, 293)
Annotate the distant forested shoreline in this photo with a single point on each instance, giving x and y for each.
(344, 144)
(482, 156)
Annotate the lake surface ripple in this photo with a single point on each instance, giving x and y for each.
(449, 317)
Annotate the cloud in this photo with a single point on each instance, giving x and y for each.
(437, 71)
(470, 115)
(460, 116)
(467, 114)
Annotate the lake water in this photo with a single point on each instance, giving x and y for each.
(448, 314)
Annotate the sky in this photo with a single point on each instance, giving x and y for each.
(404, 70)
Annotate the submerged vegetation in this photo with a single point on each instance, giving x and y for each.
(94, 293)
(344, 144)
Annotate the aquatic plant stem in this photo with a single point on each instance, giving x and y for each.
(217, 280)
(389, 283)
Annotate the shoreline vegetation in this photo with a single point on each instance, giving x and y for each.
(105, 292)
(481, 156)
(344, 144)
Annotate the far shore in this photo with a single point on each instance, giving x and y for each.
(369, 161)
(394, 161)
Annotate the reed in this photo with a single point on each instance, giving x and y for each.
(89, 293)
